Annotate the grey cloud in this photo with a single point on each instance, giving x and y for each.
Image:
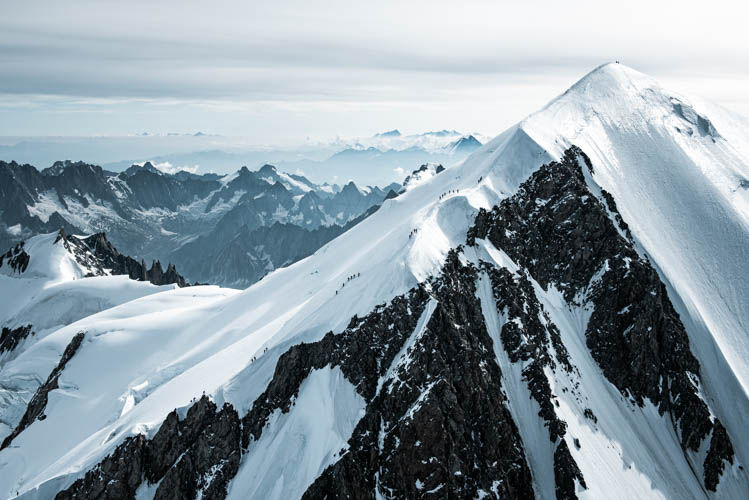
(80, 57)
(290, 59)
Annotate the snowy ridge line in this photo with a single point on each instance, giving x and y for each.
(682, 216)
(390, 317)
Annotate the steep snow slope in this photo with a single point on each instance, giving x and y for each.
(680, 192)
(49, 294)
(678, 169)
(318, 427)
(679, 172)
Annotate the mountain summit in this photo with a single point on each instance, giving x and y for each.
(562, 315)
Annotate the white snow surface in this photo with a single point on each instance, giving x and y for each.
(680, 193)
(51, 294)
(296, 447)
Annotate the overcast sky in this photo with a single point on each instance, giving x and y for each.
(281, 71)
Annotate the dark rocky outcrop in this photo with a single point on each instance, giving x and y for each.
(16, 258)
(98, 255)
(117, 477)
(440, 427)
(209, 463)
(566, 472)
(11, 337)
(197, 456)
(527, 339)
(175, 436)
(38, 403)
(364, 351)
(564, 236)
(720, 450)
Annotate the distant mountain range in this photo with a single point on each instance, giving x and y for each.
(228, 229)
(390, 159)
(376, 160)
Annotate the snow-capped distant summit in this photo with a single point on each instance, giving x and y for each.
(389, 133)
(442, 133)
(466, 144)
(63, 257)
(435, 142)
(145, 167)
(421, 174)
(59, 167)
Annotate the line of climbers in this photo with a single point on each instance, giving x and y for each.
(353, 276)
(254, 358)
(451, 191)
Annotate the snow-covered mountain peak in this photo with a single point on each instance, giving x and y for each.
(421, 174)
(267, 170)
(677, 167)
(615, 95)
(49, 256)
(601, 292)
(613, 76)
(60, 166)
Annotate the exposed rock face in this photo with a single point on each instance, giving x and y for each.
(566, 472)
(196, 456)
(364, 351)
(10, 338)
(16, 258)
(116, 477)
(566, 237)
(720, 450)
(210, 462)
(527, 339)
(98, 255)
(443, 425)
(35, 408)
